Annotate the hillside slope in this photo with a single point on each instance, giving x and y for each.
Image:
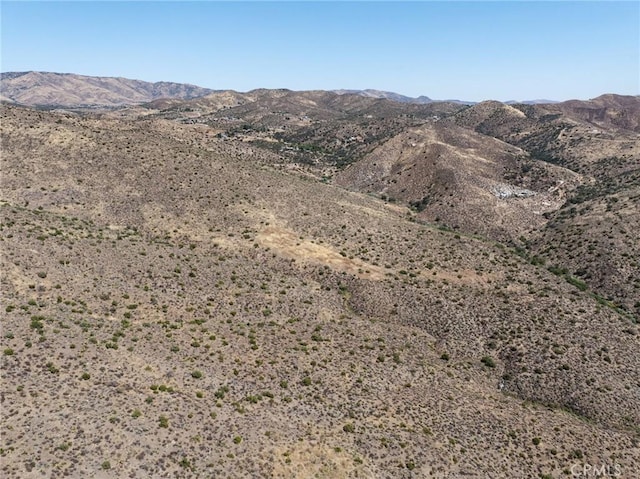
(179, 309)
(462, 179)
(590, 236)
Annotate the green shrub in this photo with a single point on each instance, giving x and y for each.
(163, 422)
(581, 285)
(185, 463)
(219, 394)
(488, 361)
(36, 323)
(52, 368)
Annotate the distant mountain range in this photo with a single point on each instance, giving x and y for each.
(71, 90)
(386, 94)
(530, 102)
(67, 89)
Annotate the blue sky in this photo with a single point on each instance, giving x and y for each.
(467, 50)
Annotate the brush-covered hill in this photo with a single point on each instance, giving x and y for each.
(462, 179)
(579, 135)
(178, 305)
(313, 128)
(557, 182)
(570, 153)
(371, 93)
(592, 236)
(617, 111)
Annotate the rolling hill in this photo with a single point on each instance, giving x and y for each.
(254, 285)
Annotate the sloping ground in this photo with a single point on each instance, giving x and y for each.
(563, 133)
(321, 130)
(269, 105)
(594, 238)
(607, 111)
(462, 179)
(175, 310)
(590, 236)
(369, 93)
(70, 90)
(217, 100)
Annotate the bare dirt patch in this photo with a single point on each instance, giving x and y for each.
(288, 244)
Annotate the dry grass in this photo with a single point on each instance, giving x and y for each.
(176, 310)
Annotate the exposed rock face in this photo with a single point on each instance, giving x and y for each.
(504, 192)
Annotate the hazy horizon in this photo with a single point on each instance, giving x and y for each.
(469, 51)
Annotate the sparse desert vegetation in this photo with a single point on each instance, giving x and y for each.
(182, 302)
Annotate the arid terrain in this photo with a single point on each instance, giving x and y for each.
(66, 89)
(310, 284)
